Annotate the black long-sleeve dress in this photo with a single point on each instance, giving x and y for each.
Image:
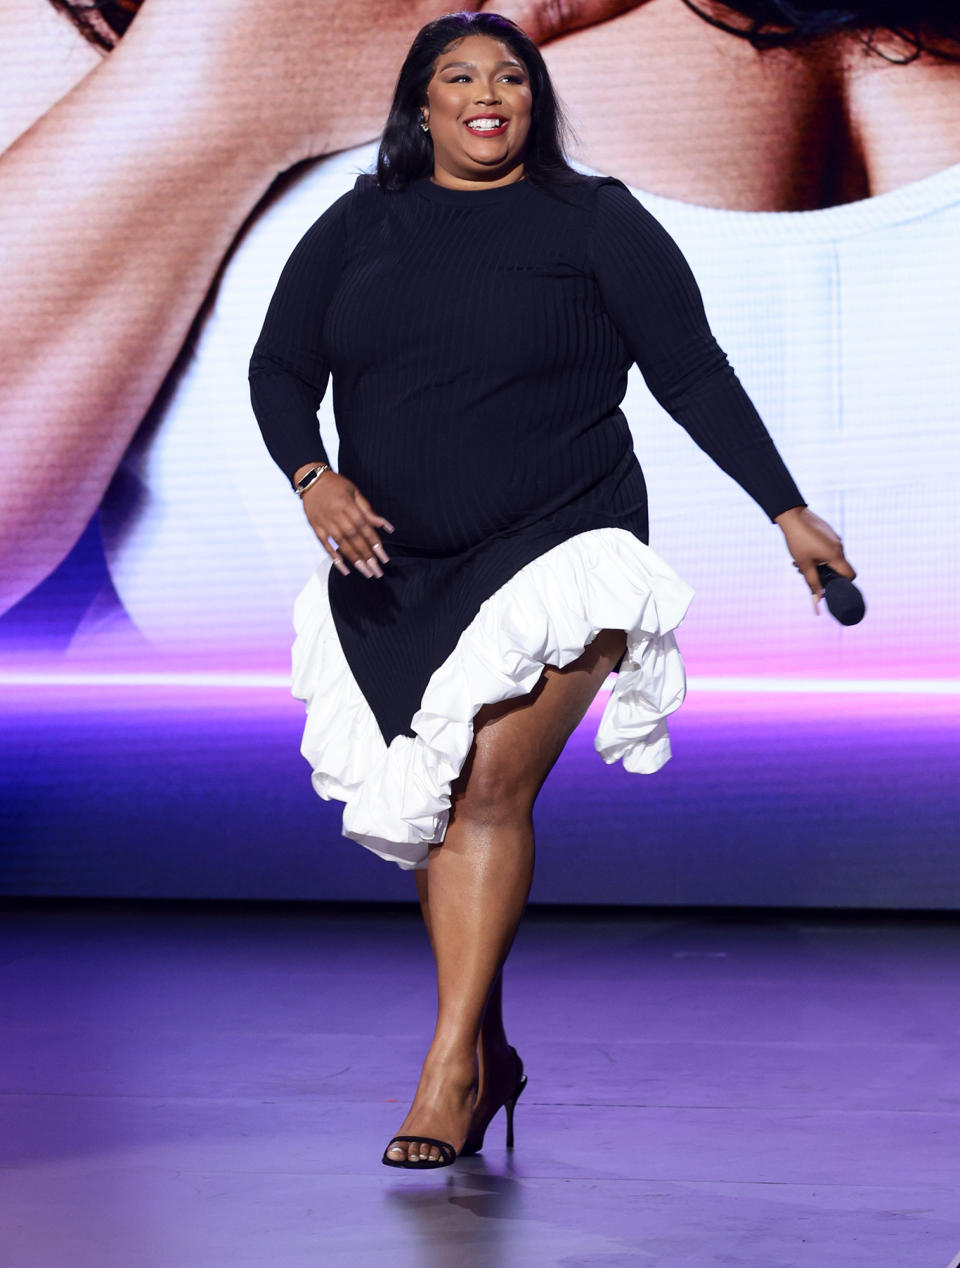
(479, 343)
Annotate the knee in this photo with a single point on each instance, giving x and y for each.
(494, 795)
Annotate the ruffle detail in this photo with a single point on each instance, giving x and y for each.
(398, 795)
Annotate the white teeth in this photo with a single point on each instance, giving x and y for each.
(485, 125)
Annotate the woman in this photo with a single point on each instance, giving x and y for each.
(479, 304)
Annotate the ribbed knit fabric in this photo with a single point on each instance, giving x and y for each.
(479, 343)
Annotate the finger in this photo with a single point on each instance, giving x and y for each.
(546, 19)
(356, 557)
(812, 578)
(339, 550)
(366, 541)
(357, 551)
(374, 546)
(334, 555)
(841, 566)
(362, 528)
(373, 566)
(371, 516)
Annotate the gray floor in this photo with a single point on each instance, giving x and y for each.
(205, 1087)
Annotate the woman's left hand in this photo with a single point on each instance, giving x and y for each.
(811, 541)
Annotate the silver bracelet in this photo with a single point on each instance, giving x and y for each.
(312, 475)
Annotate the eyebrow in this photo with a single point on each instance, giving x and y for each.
(472, 65)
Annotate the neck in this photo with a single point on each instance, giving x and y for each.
(443, 177)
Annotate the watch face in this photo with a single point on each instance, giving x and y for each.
(304, 483)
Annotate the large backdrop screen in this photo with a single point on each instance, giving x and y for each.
(155, 176)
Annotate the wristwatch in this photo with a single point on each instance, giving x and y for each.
(312, 475)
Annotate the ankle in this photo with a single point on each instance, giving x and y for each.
(456, 1061)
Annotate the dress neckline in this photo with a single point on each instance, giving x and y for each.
(926, 196)
(469, 197)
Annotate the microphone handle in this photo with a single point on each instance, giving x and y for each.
(827, 574)
(844, 601)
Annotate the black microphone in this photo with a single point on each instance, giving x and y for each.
(844, 601)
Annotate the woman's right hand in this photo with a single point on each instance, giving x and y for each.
(337, 509)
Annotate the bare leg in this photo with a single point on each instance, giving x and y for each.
(478, 880)
(496, 1066)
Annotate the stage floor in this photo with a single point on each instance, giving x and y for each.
(207, 1086)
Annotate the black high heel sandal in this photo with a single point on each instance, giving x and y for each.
(448, 1154)
(473, 1145)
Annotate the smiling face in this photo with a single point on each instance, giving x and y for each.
(478, 109)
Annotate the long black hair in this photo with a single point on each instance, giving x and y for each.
(406, 151)
(923, 26)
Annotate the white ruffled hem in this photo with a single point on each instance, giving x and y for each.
(398, 795)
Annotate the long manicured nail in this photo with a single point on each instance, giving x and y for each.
(381, 554)
(374, 567)
(341, 567)
(362, 568)
(388, 526)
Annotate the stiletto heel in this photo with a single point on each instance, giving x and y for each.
(474, 1144)
(510, 1107)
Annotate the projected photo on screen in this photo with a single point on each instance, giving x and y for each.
(813, 187)
(160, 160)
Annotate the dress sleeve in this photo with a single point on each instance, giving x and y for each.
(649, 291)
(288, 372)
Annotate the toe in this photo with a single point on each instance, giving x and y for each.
(434, 1153)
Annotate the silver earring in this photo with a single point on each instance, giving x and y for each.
(424, 124)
